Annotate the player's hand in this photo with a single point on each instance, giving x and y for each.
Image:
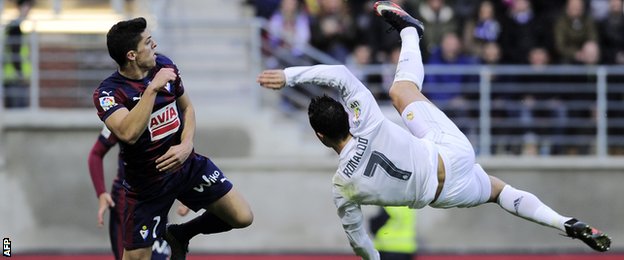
(273, 79)
(161, 78)
(182, 210)
(174, 158)
(106, 202)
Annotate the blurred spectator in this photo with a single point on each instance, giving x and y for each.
(357, 62)
(599, 9)
(17, 62)
(481, 29)
(538, 57)
(333, 29)
(378, 33)
(446, 90)
(612, 34)
(264, 8)
(15, 41)
(490, 53)
(573, 30)
(464, 10)
(394, 231)
(389, 70)
(289, 28)
(439, 19)
(523, 30)
(589, 54)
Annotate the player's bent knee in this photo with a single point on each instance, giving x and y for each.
(243, 219)
(403, 93)
(497, 188)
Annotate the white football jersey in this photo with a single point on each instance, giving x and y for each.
(383, 164)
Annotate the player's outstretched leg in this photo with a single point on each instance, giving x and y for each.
(410, 69)
(594, 238)
(528, 206)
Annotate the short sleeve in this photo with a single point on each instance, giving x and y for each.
(107, 99)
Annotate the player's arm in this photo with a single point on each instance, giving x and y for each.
(337, 76)
(174, 158)
(96, 171)
(352, 220)
(128, 126)
(96, 166)
(358, 101)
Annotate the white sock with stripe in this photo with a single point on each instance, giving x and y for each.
(528, 206)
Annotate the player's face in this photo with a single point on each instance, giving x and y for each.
(146, 52)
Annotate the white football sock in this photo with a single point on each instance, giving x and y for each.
(410, 65)
(528, 206)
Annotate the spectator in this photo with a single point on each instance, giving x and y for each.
(333, 29)
(394, 231)
(17, 64)
(522, 30)
(612, 34)
(481, 29)
(378, 35)
(548, 106)
(289, 28)
(589, 54)
(573, 30)
(357, 62)
(264, 8)
(439, 19)
(446, 90)
(599, 9)
(464, 10)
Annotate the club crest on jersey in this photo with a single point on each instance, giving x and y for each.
(164, 122)
(144, 232)
(107, 102)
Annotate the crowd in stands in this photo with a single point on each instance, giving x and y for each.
(472, 32)
(568, 31)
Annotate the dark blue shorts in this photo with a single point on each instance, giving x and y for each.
(199, 184)
(160, 249)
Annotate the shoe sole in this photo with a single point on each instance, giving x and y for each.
(390, 7)
(600, 242)
(397, 10)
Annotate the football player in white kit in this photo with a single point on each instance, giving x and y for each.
(383, 164)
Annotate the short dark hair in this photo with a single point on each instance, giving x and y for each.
(328, 117)
(124, 37)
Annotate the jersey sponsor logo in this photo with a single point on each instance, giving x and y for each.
(164, 122)
(160, 247)
(352, 164)
(209, 180)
